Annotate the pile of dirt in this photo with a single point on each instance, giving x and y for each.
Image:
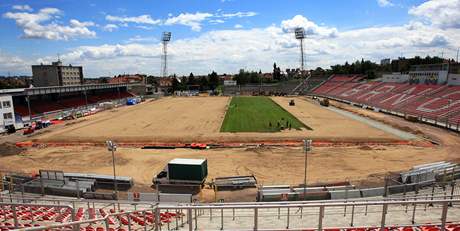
(9, 149)
(258, 149)
(365, 147)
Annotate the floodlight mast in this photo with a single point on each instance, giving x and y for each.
(164, 61)
(300, 35)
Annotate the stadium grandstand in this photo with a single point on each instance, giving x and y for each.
(425, 94)
(36, 103)
(430, 209)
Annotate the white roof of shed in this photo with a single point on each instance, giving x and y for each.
(187, 161)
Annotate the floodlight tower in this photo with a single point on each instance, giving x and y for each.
(300, 35)
(164, 59)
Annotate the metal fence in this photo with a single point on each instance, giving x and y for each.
(283, 216)
(59, 113)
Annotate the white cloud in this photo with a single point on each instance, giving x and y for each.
(226, 51)
(23, 8)
(76, 23)
(110, 27)
(139, 38)
(310, 27)
(216, 21)
(194, 21)
(239, 14)
(384, 3)
(144, 27)
(238, 26)
(142, 19)
(43, 25)
(440, 13)
(10, 63)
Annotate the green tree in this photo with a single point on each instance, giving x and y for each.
(213, 80)
(204, 84)
(175, 84)
(254, 77)
(242, 77)
(191, 79)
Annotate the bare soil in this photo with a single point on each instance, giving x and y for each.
(269, 165)
(9, 149)
(198, 119)
(362, 164)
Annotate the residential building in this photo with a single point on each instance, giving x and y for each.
(56, 75)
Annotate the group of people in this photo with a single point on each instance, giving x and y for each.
(281, 124)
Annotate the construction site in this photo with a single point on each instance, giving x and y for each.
(334, 152)
(171, 125)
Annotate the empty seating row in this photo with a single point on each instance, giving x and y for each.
(33, 216)
(436, 102)
(43, 106)
(448, 227)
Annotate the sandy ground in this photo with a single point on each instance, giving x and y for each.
(275, 165)
(269, 165)
(198, 119)
(327, 123)
(166, 119)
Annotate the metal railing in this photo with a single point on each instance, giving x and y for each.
(319, 207)
(105, 220)
(256, 215)
(14, 208)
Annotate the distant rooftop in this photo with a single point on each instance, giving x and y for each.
(62, 89)
(9, 91)
(57, 63)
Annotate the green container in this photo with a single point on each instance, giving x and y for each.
(188, 169)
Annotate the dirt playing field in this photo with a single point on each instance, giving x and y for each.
(199, 119)
(271, 165)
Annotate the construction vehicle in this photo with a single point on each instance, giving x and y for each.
(183, 171)
(324, 102)
(291, 103)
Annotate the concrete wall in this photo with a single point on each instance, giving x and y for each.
(395, 78)
(422, 76)
(45, 75)
(164, 197)
(345, 194)
(454, 79)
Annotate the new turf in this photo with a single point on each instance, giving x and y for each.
(257, 114)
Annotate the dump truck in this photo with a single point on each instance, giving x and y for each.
(183, 171)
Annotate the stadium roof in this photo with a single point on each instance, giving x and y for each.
(61, 89)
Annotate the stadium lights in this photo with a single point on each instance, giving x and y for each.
(306, 149)
(164, 58)
(166, 37)
(112, 147)
(299, 33)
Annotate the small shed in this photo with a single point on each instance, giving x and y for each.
(193, 170)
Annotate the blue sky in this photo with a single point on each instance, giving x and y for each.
(112, 37)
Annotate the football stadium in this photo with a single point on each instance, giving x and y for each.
(377, 148)
(337, 150)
